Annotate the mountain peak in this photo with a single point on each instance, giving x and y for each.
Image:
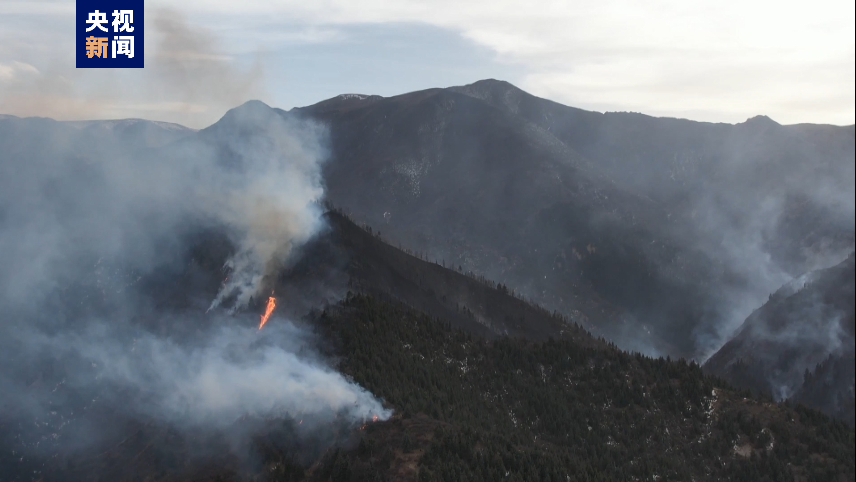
(247, 116)
(761, 120)
(493, 84)
(497, 92)
(487, 86)
(251, 106)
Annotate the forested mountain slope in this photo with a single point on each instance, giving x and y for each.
(469, 402)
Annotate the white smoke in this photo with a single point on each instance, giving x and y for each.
(227, 373)
(274, 208)
(84, 218)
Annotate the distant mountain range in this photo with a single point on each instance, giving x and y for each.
(661, 234)
(517, 279)
(132, 133)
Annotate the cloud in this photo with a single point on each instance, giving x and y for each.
(723, 61)
(727, 60)
(14, 70)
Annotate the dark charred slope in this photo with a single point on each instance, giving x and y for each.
(470, 405)
(348, 257)
(459, 179)
(800, 344)
(654, 230)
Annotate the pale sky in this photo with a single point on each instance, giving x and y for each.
(722, 61)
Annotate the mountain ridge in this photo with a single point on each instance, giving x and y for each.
(576, 165)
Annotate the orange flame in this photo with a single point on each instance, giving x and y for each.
(271, 304)
(374, 419)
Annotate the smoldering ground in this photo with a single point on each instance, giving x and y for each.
(111, 255)
(776, 210)
(747, 207)
(806, 322)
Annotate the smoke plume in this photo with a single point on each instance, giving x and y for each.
(110, 256)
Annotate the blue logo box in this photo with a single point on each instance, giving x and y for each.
(109, 34)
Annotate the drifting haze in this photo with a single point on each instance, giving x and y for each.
(188, 78)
